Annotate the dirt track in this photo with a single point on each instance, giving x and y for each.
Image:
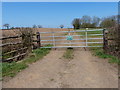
(53, 71)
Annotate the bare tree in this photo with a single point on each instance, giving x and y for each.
(76, 23)
(96, 21)
(61, 26)
(108, 22)
(86, 19)
(39, 26)
(12, 27)
(34, 26)
(6, 26)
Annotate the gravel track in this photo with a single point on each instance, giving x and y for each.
(53, 71)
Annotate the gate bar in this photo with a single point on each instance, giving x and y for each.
(73, 31)
(74, 39)
(74, 43)
(70, 46)
(73, 35)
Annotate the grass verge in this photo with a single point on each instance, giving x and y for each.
(69, 54)
(100, 53)
(11, 69)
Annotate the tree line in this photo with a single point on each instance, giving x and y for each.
(7, 26)
(94, 22)
(84, 22)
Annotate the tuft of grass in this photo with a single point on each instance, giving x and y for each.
(11, 69)
(69, 54)
(66, 34)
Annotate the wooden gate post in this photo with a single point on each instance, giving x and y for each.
(105, 40)
(38, 39)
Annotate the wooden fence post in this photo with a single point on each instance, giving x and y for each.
(38, 39)
(105, 40)
(119, 40)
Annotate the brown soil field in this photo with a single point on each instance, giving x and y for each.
(15, 32)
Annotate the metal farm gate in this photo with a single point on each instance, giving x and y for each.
(71, 38)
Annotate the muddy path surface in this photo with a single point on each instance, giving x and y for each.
(54, 71)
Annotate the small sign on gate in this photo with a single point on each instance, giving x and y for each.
(69, 38)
